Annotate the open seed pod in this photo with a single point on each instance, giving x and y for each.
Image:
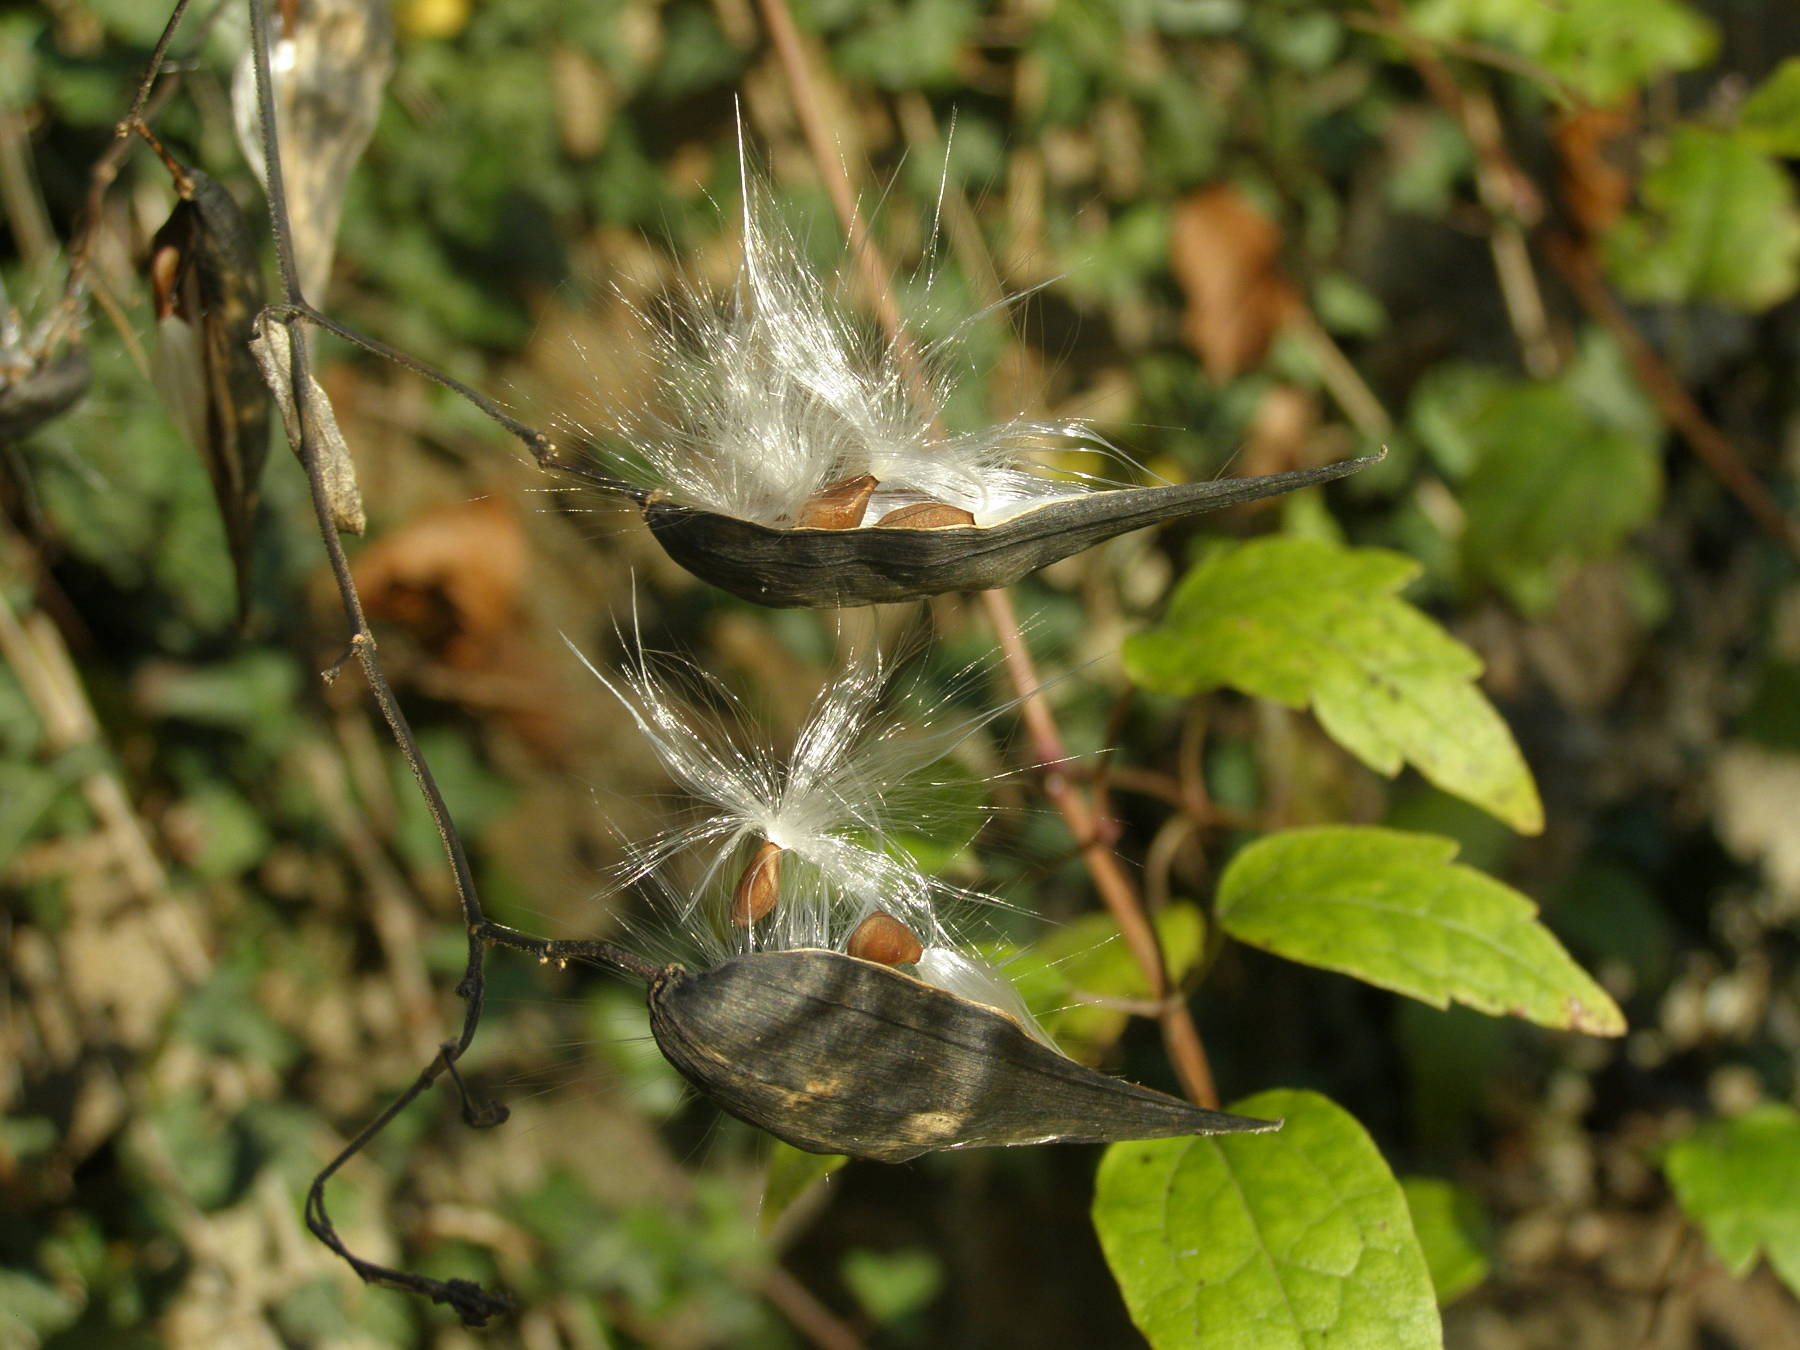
(793, 568)
(839, 1055)
(206, 281)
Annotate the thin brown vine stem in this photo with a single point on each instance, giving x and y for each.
(1577, 266)
(473, 1304)
(105, 169)
(1180, 1036)
(361, 638)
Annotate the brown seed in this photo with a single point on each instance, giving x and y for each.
(924, 516)
(883, 939)
(838, 507)
(759, 887)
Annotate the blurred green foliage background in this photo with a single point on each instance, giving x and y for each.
(1545, 253)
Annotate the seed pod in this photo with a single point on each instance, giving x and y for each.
(840, 506)
(759, 888)
(207, 285)
(817, 568)
(837, 1055)
(925, 516)
(886, 941)
(38, 391)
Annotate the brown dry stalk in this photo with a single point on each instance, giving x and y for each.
(1120, 895)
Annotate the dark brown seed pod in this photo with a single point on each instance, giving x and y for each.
(759, 888)
(837, 1055)
(206, 278)
(40, 391)
(840, 506)
(816, 568)
(886, 941)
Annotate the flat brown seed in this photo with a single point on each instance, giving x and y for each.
(924, 516)
(883, 939)
(838, 507)
(759, 887)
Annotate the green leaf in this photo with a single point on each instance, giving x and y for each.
(1266, 1242)
(1452, 1229)
(32, 1308)
(792, 1173)
(1088, 957)
(1553, 487)
(1394, 910)
(1740, 1179)
(1717, 222)
(1603, 49)
(910, 44)
(1770, 120)
(1303, 621)
(890, 1285)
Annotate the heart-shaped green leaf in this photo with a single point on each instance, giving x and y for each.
(1297, 1240)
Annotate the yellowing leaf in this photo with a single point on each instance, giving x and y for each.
(1305, 622)
(1296, 1240)
(1393, 909)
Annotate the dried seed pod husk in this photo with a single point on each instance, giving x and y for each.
(207, 285)
(925, 516)
(810, 568)
(837, 1055)
(759, 888)
(840, 506)
(886, 941)
(273, 350)
(41, 391)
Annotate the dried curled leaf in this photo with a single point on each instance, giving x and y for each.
(839, 1055)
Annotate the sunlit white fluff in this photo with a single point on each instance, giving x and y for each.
(779, 389)
(857, 781)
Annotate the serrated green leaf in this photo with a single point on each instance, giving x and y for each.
(1451, 1229)
(792, 1173)
(1740, 1179)
(1603, 49)
(1771, 115)
(1304, 622)
(1717, 223)
(1266, 1242)
(1393, 909)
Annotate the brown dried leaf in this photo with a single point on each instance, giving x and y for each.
(1225, 255)
(453, 577)
(1595, 146)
